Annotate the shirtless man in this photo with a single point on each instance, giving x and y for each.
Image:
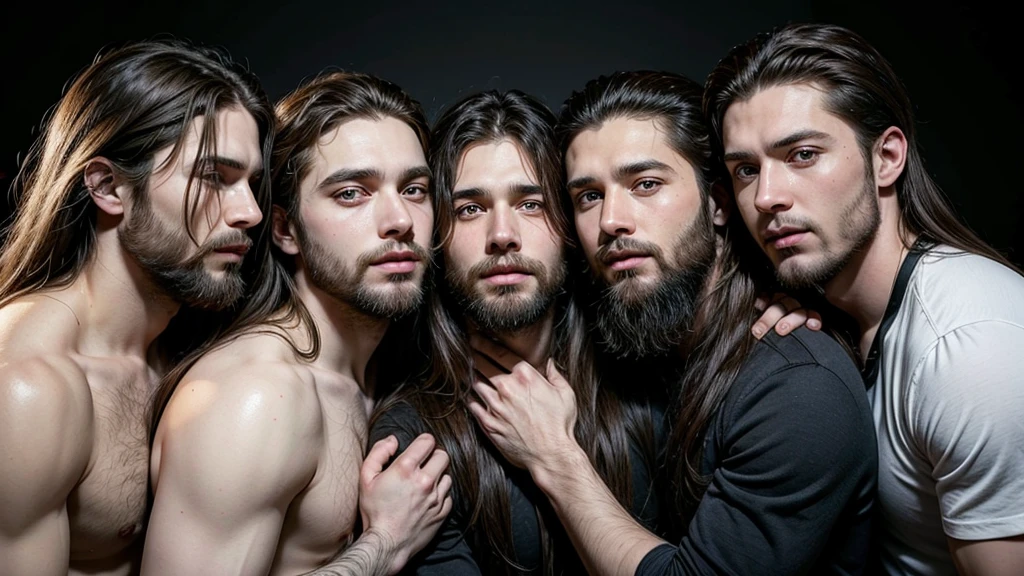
(135, 201)
(256, 459)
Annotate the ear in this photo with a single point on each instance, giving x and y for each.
(283, 232)
(890, 156)
(104, 185)
(721, 204)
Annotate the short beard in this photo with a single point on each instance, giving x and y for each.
(510, 310)
(158, 250)
(639, 322)
(330, 274)
(858, 227)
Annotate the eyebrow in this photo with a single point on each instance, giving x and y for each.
(784, 142)
(621, 172)
(518, 190)
(347, 174)
(224, 161)
(416, 172)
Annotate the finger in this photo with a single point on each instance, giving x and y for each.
(814, 320)
(770, 317)
(446, 508)
(436, 465)
(377, 458)
(553, 375)
(444, 485)
(416, 453)
(487, 393)
(787, 302)
(761, 303)
(791, 321)
(487, 421)
(500, 355)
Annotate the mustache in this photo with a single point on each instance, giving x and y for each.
(366, 258)
(232, 238)
(528, 265)
(633, 245)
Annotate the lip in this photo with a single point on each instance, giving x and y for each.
(397, 262)
(233, 251)
(783, 236)
(625, 259)
(505, 275)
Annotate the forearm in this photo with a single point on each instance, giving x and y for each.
(372, 554)
(608, 539)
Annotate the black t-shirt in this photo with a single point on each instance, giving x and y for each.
(451, 553)
(793, 462)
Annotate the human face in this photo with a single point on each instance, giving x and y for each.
(364, 210)
(802, 184)
(504, 261)
(204, 272)
(645, 228)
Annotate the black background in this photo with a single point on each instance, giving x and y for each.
(957, 60)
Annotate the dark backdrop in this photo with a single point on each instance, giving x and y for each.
(955, 59)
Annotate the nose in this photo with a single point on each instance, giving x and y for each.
(773, 193)
(240, 209)
(616, 214)
(503, 234)
(393, 217)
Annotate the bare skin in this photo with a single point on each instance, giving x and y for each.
(258, 463)
(75, 383)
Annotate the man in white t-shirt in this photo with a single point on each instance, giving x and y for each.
(818, 138)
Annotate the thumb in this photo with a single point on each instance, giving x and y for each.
(554, 376)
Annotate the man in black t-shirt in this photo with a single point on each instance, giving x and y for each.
(771, 453)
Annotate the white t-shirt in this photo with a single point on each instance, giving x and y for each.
(948, 404)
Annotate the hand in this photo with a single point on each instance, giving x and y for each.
(529, 416)
(406, 503)
(785, 314)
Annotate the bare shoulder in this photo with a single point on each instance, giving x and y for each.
(35, 325)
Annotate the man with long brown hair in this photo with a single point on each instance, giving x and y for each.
(258, 458)
(770, 456)
(137, 200)
(818, 136)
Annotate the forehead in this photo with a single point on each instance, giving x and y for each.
(493, 166)
(237, 138)
(388, 145)
(773, 113)
(617, 142)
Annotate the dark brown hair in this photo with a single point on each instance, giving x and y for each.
(860, 87)
(605, 424)
(304, 115)
(719, 340)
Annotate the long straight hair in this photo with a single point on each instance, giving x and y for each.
(606, 424)
(304, 115)
(129, 104)
(719, 339)
(860, 87)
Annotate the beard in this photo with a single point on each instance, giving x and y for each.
(402, 294)
(860, 222)
(508, 309)
(158, 249)
(637, 319)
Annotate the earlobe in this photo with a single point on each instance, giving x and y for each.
(890, 157)
(721, 204)
(101, 180)
(283, 232)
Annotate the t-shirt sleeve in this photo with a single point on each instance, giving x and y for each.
(968, 409)
(794, 449)
(448, 553)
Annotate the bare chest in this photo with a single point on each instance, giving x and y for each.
(108, 507)
(322, 518)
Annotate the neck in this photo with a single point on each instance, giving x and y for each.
(863, 288)
(119, 309)
(532, 343)
(348, 337)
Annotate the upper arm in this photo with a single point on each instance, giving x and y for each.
(233, 453)
(969, 398)
(45, 444)
(796, 465)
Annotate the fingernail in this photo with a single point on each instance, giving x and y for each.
(757, 330)
(782, 327)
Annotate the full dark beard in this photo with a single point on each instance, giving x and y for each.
(510, 310)
(328, 273)
(641, 322)
(860, 223)
(158, 251)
